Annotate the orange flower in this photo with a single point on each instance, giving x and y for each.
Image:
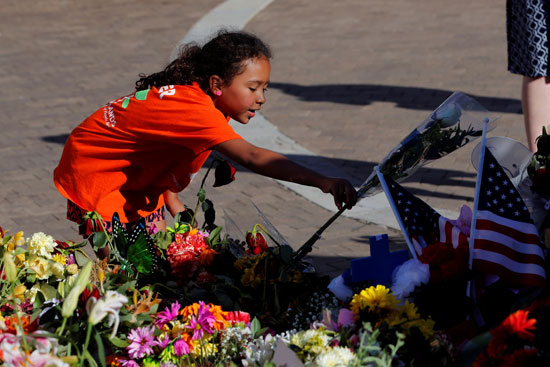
(219, 314)
(190, 310)
(207, 256)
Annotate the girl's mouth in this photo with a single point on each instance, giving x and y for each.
(251, 113)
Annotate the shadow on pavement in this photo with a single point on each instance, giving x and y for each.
(405, 97)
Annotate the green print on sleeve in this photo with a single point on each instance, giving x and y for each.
(140, 96)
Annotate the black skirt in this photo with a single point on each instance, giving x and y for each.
(527, 24)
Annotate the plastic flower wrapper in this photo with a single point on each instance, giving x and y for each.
(456, 122)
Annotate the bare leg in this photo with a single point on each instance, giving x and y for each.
(535, 100)
(160, 224)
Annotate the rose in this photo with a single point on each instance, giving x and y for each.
(224, 174)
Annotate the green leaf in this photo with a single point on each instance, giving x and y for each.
(202, 195)
(256, 328)
(100, 348)
(81, 259)
(99, 240)
(87, 356)
(214, 236)
(119, 343)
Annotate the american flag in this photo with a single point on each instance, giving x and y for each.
(423, 224)
(506, 241)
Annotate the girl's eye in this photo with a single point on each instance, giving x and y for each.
(252, 89)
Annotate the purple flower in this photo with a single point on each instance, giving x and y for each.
(203, 322)
(70, 259)
(167, 315)
(128, 363)
(142, 342)
(181, 347)
(163, 343)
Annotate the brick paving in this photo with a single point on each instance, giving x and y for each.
(349, 80)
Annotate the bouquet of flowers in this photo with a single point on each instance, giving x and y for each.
(456, 122)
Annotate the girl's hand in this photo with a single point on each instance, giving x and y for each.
(342, 191)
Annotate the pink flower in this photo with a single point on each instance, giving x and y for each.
(167, 315)
(142, 342)
(346, 317)
(163, 343)
(203, 322)
(181, 347)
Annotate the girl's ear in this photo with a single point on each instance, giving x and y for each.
(215, 84)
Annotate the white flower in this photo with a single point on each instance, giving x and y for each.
(109, 305)
(335, 357)
(41, 244)
(57, 269)
(259, 351)
(30, 294)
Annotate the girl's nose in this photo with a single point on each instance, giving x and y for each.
(261, 98)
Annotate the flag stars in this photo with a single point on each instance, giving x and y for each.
(503, 196)
(498, 174)
(497, 187)
(516, 213)
(510, 205)
(489, 192)
(490, 179)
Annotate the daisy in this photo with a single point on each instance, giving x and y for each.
(167, 315)
(142, 342)
(202, 322)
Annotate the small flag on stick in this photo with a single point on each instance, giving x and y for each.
(506, 241)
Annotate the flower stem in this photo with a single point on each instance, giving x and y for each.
(86, 342)
(202, 185)
(62, 326)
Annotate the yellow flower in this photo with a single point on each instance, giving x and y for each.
(19, 259)
(425, 326)
(19, 292)
(202, 348)
(41, 267)
(409, 311)
(72, 269)
(250, 279)
(41, 244)
(15, 241)
(57, 269)
(375, 298)
(58, 258)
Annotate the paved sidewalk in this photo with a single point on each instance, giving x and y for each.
(349, 80)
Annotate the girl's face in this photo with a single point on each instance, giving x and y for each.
(245, 95)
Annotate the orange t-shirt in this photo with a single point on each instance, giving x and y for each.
(129, 152)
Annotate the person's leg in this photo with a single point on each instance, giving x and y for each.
(535, 101)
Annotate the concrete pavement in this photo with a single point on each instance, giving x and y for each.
(349, 80)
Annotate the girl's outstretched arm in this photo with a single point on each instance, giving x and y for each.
(271, 164)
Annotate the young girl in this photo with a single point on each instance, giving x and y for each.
(135, 154)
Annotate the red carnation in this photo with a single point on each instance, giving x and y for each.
(235, 317)
(224, 174)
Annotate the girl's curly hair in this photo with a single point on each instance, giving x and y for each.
(222, 56)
